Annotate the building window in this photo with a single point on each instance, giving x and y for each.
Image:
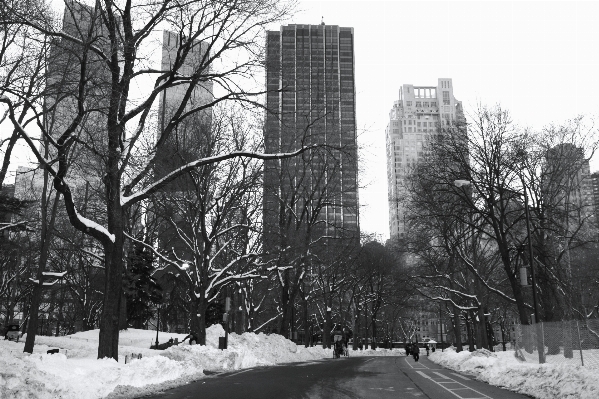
(409, 103)
(425, 104)
(445, 97)
(418, 104)
(434, 104)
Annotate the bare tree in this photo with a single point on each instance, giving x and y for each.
(108, 42)
(209, 216)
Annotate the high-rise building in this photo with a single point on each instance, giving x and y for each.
(311, 100)
(417, 114)
(188, 140)
(185, 141)
(594, 181)
(568, 186)
(62, 101)
(63, 98)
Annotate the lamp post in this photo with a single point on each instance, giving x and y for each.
(540, 345)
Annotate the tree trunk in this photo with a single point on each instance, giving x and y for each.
(469, 332)
(108, 345)
(239, 314)
(481, 337)
(198, 318)
(365, 327)
(373, 318)
(355, 323)
(123, 312)
(284, 327)
(307, 330)
(567, 332)
(46, 234)
(516, 287)
(326, 334)
(457, 328)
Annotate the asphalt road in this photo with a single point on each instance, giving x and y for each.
(345, 378)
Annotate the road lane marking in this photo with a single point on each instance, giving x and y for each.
(369, 359)
(453, 390)
(239, 372)
(421, 366)
(390, 389)
(461, 376)
(424, 375)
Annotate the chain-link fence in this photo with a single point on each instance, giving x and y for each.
(564, 342)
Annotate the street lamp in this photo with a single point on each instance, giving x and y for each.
(540, 345)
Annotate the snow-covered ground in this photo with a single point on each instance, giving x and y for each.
(545, 381)
(75, 372)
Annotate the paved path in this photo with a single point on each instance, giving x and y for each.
(357, 377)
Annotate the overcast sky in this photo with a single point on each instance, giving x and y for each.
(538, 59)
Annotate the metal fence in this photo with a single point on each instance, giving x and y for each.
(564, 342)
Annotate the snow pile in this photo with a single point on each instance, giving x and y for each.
(75, 372)
(544, 381)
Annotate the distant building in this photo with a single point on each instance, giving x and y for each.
(189, 139)
(594, 180)
(310, 79)
(416, 116)
(569, 189)
(63, 96)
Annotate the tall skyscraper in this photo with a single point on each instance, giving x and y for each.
(594, 180)
(188, 141)
(66, 64)
(569, 187)
(417, 114)
(311, 100)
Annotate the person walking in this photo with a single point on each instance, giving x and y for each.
(427, 349)
(415, 351)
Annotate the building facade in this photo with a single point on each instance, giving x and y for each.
(190, 138)
(569, 190)
(594, 181)
(415, 116)
(311, 101)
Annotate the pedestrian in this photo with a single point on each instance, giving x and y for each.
(415, 351)
(427, 349)
(408, 349)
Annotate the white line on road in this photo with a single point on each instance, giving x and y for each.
(461, 376)
(453, 390)
(424, 375)
(239, 372)
(421, 366)
(369, 360)
(441, 375)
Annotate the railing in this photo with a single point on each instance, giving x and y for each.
(573, 342)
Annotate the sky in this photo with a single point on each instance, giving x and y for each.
(538, 59)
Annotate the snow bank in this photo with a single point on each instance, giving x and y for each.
(75, 372)
(545, 381)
